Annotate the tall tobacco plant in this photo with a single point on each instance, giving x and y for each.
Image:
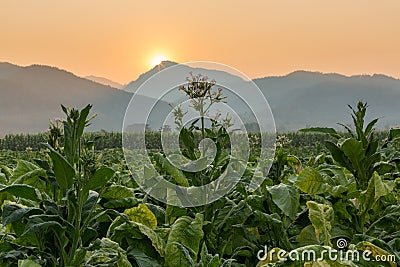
(52, 215)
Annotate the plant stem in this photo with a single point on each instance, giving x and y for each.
(77, 226)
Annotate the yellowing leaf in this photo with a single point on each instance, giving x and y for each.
(310, 181)
(321, 216)
(142, 214)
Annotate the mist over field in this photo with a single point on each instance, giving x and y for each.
(31, 95)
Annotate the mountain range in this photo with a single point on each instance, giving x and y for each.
(33, 94)
(104, 81)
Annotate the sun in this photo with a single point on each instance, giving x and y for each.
(156, 60)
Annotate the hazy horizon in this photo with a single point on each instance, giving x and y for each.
(119, 40)
(92, 77)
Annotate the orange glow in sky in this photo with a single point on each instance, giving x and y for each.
(118, 39)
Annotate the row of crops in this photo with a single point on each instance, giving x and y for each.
(70, 198)
(104, 140)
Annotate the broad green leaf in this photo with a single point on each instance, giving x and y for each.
(142, 259)
(207, 259)
(188, 261)
(321, 216)
(232, 214)
(13, 213)
(88, 206)
(188, 140)
(117, 191)
(127, 202)
(376, 189)
(63, 170)
(173, 212)
(142, 214)
(22, 191)
(339, 174)
(187, 232)
(28, 263)
(108, 253)
(388, 221)
(353, 149)
(176, 173)
(119, 232)
(338, 154)
(268, 222)
(384, 167)
(26, 173)
(43, 227)
(340, 208)
(156, 240)
(158, 211)
(99, 179)
(310, 181)
(307, 236)
(286, 197)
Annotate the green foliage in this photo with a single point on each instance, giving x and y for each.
(183, 242)
(286, 197)
(142, 214)
(57, 218)
(321, 216)
(74, 203)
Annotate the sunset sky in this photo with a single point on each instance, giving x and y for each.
(119, 39)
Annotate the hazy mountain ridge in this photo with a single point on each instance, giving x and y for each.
(104, 81)
(322, 99)
(31, 95)
(135, 84)
(304, 98)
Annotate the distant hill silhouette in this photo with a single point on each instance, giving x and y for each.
(31, 95)
(104, 81)
(303, 98)
(134, 85)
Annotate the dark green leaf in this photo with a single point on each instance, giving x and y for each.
(27, 173)
(188, 233)
(286, 197)
(22, 191)
(13, 213)
(337, 154)
(99, 179)
(43, 227)
(63, 170)
(142, 259)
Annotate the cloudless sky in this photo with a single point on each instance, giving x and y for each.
(118, 39)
